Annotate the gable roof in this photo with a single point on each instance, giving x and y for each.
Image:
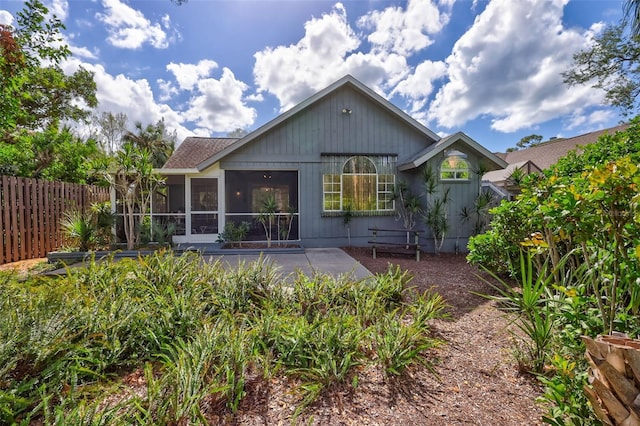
(432, 150)
(193, 149)
(502, 175)
(347, 80)
(548, 153)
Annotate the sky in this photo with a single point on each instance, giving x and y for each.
(492, 69)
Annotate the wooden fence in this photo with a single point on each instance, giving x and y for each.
(31, 211)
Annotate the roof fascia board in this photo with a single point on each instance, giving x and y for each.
(445, 143)
(348, 79)
(168, 172)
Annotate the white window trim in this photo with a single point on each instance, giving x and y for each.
(378, 192)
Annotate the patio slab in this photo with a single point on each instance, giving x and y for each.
(332, 261)
(310, 261)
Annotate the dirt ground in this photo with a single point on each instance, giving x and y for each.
(475, 380)
(23, 267)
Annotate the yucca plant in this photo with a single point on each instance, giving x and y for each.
(532, 305)
(80, 228)
(267, 216)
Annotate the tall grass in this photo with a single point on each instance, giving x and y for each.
(194, 331)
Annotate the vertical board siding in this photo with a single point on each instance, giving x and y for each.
(322, 128)
(299, 142)
(31, 212)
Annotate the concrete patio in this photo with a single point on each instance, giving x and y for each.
(332, 261)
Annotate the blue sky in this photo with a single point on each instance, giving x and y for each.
(488, 68)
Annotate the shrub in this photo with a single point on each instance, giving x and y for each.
(498, 249)
(234, 233)
(193, 333)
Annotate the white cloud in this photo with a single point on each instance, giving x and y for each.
(132, 97)
(256, 97)
(188, 75)
(405, 31)
(82, 52)
(591, 121)
(295, 72)
(419, 85)
(129, 29)
(326, 52)
(219, 104)
(6, 18)
(167, 90)
(508, 66)
(59, 8)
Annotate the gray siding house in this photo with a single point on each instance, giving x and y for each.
(343, 150)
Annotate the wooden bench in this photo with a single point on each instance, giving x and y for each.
(379, 242)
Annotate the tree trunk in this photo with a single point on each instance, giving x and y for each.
(614, 389)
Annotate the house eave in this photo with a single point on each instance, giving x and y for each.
(168, 172)
(447, 142)
(348, 79)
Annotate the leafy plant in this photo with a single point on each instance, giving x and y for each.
(285, 231)
(436, 211)
(408, 207)
(347, 216)
(400, 345)
(132, 176)
(234, 233)
(267, 215)
(80, 228)
(104, 221)
(195, 335)
(533, 307)
(563, 394)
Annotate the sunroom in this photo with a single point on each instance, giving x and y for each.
(195, 208)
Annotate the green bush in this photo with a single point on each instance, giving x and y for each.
(194, 333)
(498, 249)
(580, 224)
(234, 233)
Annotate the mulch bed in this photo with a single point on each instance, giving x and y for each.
(475, 380)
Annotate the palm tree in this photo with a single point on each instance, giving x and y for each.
(154, 138)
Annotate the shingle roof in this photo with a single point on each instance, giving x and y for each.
(500, 176)
(548, 153)
(194, 149)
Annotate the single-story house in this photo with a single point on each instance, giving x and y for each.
(337, 155)
(538, 158)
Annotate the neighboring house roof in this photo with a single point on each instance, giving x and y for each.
(431, 151)
(548, 153)
(194, 149)
(347, 80)
(500, 176)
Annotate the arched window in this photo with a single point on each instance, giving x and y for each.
(360, 184)
(455, 166)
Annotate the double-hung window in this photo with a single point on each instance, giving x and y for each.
(359, 183)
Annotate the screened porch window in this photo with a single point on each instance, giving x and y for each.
(246, 193)
(204, 205)
(358, 183)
